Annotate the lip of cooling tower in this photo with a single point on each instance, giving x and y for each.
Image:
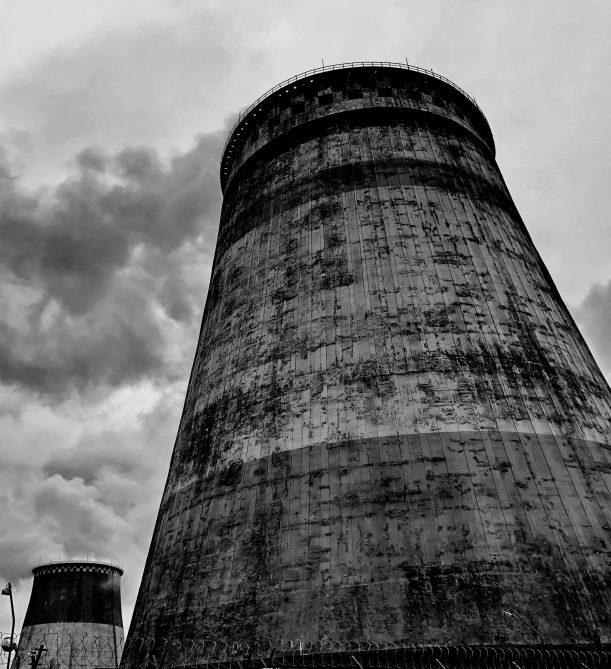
(248, 116)
(76, 565)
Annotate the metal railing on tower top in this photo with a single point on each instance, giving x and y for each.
(59, 563)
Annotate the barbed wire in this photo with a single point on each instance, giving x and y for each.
(47, 650)
(54, 651)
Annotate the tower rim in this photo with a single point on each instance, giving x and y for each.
(75, 565)
(241, 121)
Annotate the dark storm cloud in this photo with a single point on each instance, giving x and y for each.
(95, 270)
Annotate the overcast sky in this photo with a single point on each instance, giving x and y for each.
(113, 114)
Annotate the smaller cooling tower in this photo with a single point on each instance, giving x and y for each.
(75, 613)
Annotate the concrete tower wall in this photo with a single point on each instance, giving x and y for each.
(393, 429)
(75, 613)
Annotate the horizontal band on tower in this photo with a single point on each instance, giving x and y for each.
(354, 177)
(348, 118)
(361, 85)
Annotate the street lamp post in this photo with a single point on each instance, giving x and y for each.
(8, 590)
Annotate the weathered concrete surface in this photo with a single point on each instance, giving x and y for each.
(71, 646)
(393, 429)
(75, 611)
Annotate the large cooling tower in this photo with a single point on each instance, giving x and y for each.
(74, 613)
(393, 429)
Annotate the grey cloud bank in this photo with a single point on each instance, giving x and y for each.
(84, 485)
(93, 269)
(103, 282)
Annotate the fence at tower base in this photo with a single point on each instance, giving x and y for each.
(84, 652)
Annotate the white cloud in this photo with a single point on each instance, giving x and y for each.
(84, 480)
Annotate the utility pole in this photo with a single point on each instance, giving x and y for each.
(8, 590)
